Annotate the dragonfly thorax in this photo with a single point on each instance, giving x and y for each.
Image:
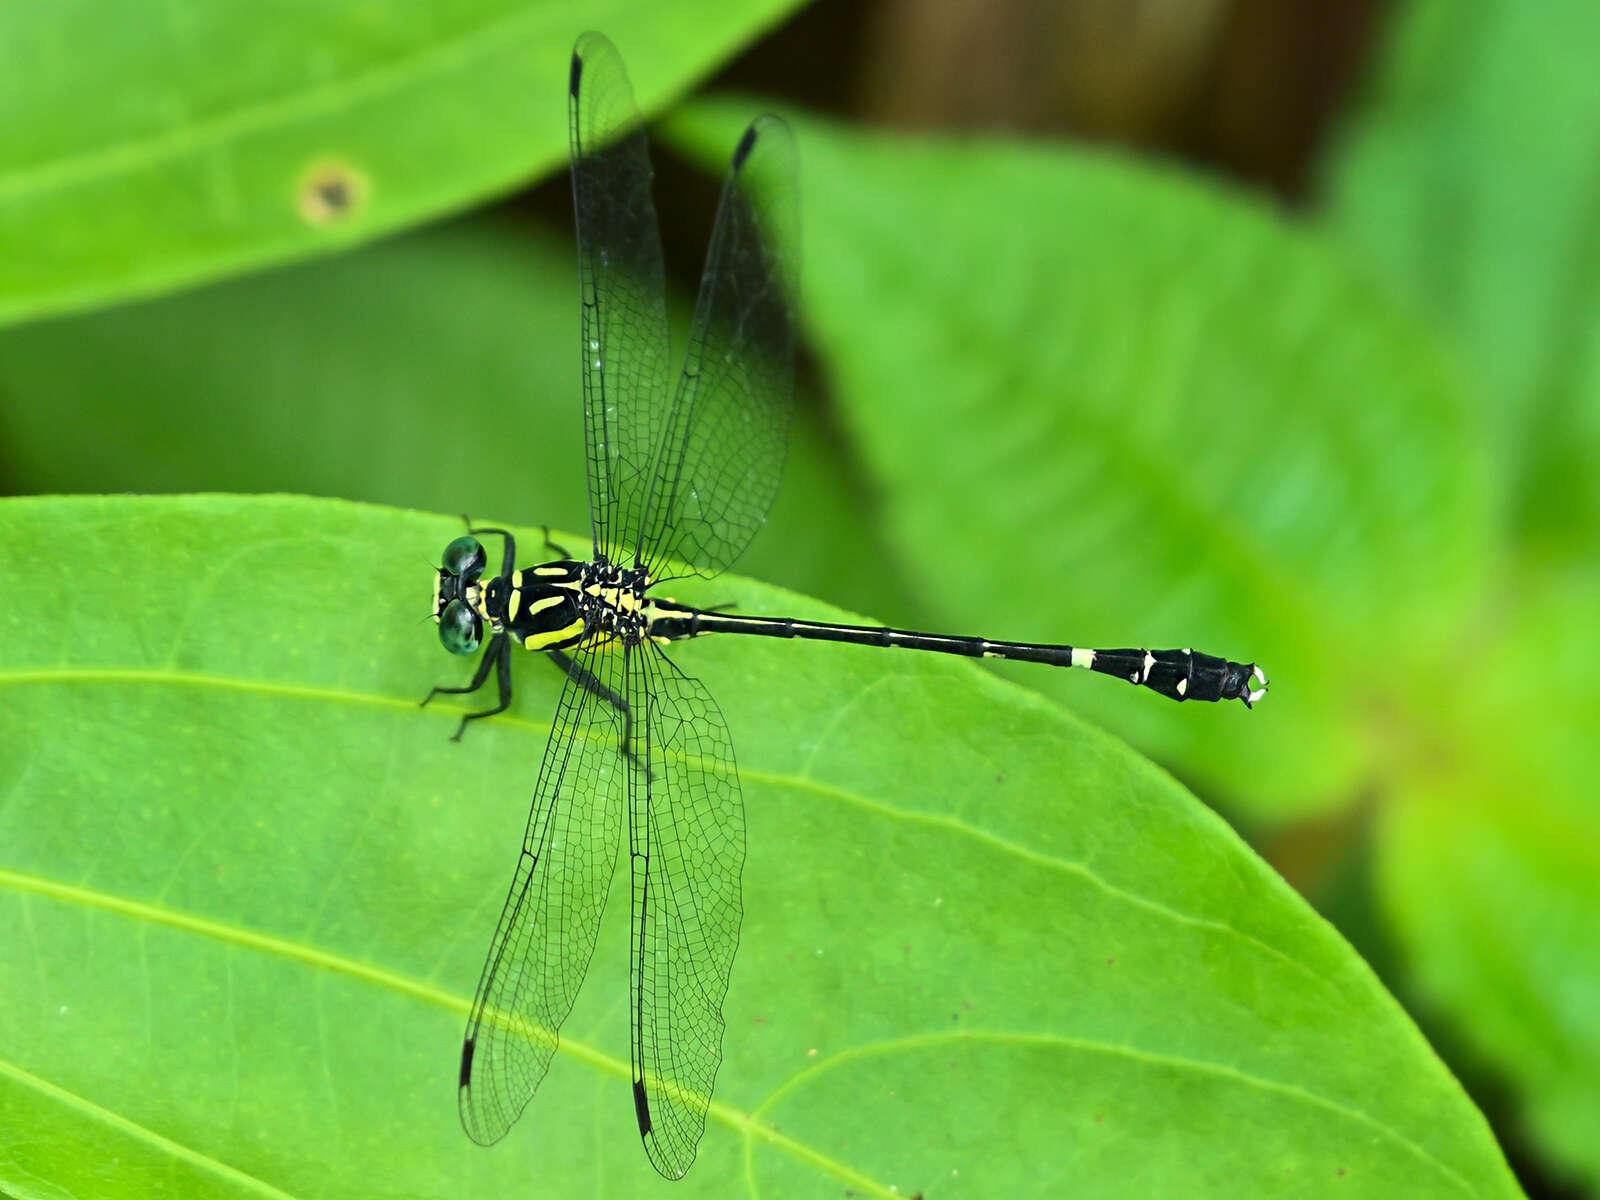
(612, 601)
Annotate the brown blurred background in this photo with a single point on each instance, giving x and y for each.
(1248, 88)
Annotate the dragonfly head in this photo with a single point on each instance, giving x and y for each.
(457, 597)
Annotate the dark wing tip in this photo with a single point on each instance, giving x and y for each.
(746, 144)
(481, 1127)
(588, 45)
(764, 126)
(641, 1107)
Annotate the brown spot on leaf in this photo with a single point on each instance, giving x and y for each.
(330, 192)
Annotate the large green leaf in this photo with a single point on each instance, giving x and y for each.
(246, 884)
(1111, 405)
(1469, 180)
(144, 151)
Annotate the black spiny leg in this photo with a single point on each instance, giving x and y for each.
(591, 683)
(496, 658)
(558, 551)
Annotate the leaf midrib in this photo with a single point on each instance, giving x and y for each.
(1112, 1050)
(140, 1132)
(775, 779)
(745, 1122)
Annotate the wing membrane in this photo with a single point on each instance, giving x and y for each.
(689, 476)
(624, 324)
(723, 448)
(546, 935)
(686, 841)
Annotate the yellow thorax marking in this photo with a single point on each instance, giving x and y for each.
(545, 602)
(600, 639)
(538, 641)
(620, 598)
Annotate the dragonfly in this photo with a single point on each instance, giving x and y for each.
(683, 465)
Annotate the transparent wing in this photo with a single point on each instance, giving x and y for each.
(722, 451)
(626, 372)
(686, 842)
(546, 934)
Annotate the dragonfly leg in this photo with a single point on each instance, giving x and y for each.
(592, 684)
(558, 551)
(485, 665)
(496, 658)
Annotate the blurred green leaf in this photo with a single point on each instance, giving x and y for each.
(1470, 181)
(1487, 859)
(988, 951)
(1113, 406)
(1158, 414)
(335, 377)
(343, 377)
(142, 154)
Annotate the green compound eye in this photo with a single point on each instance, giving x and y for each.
(465, 557)
(460, 631)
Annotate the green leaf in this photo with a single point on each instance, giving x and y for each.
(246, 886)
(1487, 864)
(438, 370)
(335, 377)
(1469, 181)
(1111, 405)
(145, 154)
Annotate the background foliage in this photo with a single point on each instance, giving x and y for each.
(1055, 392)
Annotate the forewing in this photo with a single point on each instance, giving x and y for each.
(626, 372)
(723, 450)
(546, 934)
(686, 833)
